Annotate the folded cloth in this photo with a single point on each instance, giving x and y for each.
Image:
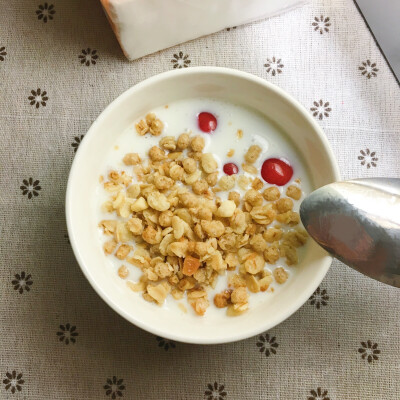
(146, 26)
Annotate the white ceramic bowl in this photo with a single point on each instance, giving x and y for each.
(219, 83)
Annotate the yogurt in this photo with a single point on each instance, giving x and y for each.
(238, 128)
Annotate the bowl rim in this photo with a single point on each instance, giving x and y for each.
(102, 292)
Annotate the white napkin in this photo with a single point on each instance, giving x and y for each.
(146, 26)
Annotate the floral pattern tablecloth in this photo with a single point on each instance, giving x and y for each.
(60, 65)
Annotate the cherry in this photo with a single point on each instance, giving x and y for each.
(207, 122)
(231, 168)
(276, 171)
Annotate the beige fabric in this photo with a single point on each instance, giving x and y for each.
(317, 347)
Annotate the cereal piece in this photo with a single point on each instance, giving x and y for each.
(284, 205)
(290, 254)
(187, 283)
(254, 263)
(212, 179)
(230, 153)
(112, 187)
(189, 165)
(257, 184)
(290, 218)
(232, 260)
(263, 215)
(239, 133)
(183, 141)
(250, 169)
(156, 154)
(163, 182)
(135, 225)
(236, 281)
(123, 272)
(208, 163)
(108, 226)
(136, 287)
(213, 228)
(141, 127)
(158, 201)
(226, 209)
(123, 251)
(109, 246)
(227, 241)
(178, 225)
(190, 265)
(238, 221)
(227, 182)
(190, 179)
(133, 191)
(177, 295)
(271, 255)
(156, 127)
(165, 218)
(252, 283)
(239, 295)
(107, 207)
(139, 205)
(122, 233)
(272, 234)
(252, 154)
(188, 200)
(205, 213)
(258, 243)
(235, 197)
(152, 236)
(197, 143)
(253, 197)
(196, 294)
(294, 192)
(243, 182)
(222, 299)
(176, 172)
(265, 282)
(176, 155)
(168, 143)
(271, 194)
(131, 159)
(163, 270)
(296, 238)
(280, 275)
(200, 187)
(200, 306)
(159, 292)
(150, 118)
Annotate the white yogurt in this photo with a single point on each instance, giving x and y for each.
(181, 116)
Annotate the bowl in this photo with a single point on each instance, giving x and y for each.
(219, 83)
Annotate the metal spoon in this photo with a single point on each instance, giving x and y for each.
(358, 222)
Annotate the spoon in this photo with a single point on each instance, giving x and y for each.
(358, 222)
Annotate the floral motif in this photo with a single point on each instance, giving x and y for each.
(30, 187)
(369, 351)
(38, 98)
(368, 69)
(215, 392)
(319, 298)
(22, 282)
(88, 57)
(67, 333)
(233, 27)
(318, 394)
(13, 382)
(321, 109)
(368, 158)
(274, 66)
(77, 141)
(267, 344)
(45, 12)
(165, 343)
(181, 61)
(321, 24)
(114, 387)
(3, 53)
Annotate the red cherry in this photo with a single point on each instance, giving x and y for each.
(231, 168)
(276, 171)
(207, 122)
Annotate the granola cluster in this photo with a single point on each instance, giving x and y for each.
(174, 226)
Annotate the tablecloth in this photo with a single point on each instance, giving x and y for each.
(60, 65)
